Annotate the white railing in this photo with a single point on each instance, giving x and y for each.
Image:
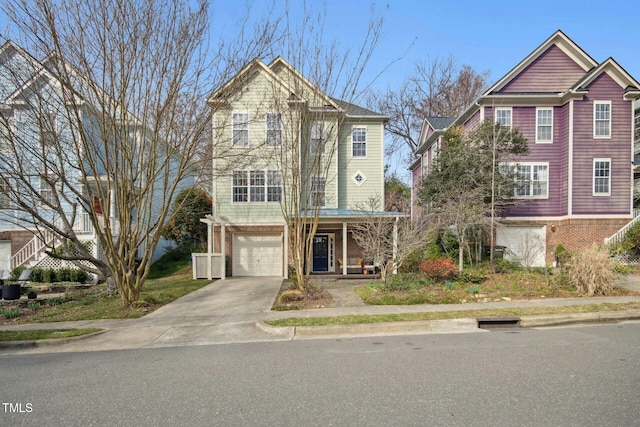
(32, 249)
(619, 235)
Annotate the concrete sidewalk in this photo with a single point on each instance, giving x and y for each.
(234, 311)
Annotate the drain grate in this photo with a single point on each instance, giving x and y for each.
(498, 322)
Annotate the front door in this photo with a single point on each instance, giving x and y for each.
(320, 253)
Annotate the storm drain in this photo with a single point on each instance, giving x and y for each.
(498, 322)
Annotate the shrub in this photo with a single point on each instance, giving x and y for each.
(631, 241)
(591, 271)
(506, 266)
(405, 282)
(473, 276)
(16, 272)
(411, 264)
(438, 269)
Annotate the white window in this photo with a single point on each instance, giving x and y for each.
(274, 186)
(544, 124)
(5, 201)
(241, 129)
(240, 186)
(601, 177)
(318, 184)
(46, 193)
(503, 117)
(359, 142)
(318, 137)
(602, 119)
(531, 179)
(274, 129)
(48, 129)
(257, 186)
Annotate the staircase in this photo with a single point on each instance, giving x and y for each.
(33, 250)
(619, 235)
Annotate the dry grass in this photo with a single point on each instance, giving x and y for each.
(591, 271)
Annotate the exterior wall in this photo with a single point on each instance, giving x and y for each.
(350, 194)
(617, 148)
(552, 71)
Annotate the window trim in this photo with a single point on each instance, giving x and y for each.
(538, 140)
(49, 137)
(314, 190)
(609, 121)
(46, 193)
(495, 116)
(324, 137)
(531, 181)
(233, 129)
(359, 143)
(594, 177)
(269, 129)
(245, 189)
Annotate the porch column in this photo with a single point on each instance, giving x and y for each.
(344, 248)
(395, 245)
(210, 237)
(285, 252)
(223, 251)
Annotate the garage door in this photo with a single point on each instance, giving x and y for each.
(527, 245)
(257, 254)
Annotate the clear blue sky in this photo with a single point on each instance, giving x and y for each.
(491, 35)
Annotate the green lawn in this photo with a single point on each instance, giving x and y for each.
(32, 335)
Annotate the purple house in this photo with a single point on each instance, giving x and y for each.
(578, 117)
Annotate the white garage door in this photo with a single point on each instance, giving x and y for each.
(527, 245)
(257, 254)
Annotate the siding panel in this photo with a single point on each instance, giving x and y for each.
(552, 71)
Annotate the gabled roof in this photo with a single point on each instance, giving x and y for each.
(559, 39)
(440, 123)
(616, 72)
(255, 65)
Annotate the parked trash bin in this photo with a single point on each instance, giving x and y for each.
(498, 251)
(11, 292)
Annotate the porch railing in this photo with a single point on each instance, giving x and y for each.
(619, 235)
(32, 249)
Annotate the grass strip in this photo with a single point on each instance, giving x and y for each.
(403, 317)
(44, 334)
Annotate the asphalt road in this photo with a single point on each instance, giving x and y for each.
(573, 376)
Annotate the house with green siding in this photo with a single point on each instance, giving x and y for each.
(282, 148)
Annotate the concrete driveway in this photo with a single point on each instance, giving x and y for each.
(225, 311)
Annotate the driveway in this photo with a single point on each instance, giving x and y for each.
(225, 311)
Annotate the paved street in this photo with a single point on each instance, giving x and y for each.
(570, 376)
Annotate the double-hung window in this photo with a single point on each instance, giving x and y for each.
(274, 186)
(601, 177)
(274, 129)
(531, 179)
(257, 186)
(544, 125)
(318, 184)
(48, 129)
(318, 137)
(240, 186)
(47, 194)
(503, 117)
(359, 141)
(240, 129)
(5, 201)
(602, 119)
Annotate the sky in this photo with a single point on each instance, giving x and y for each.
(493, 35)
(488, 35)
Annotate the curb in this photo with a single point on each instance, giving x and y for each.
(49, 342)
(572, 318)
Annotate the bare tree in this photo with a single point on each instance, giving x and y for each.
(387, 241)
(326, 79)
(439, 89)
(123, 123)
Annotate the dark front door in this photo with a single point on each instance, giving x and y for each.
(321, 253)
